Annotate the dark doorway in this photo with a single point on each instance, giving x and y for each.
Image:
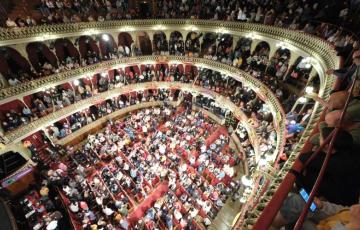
(145, 9)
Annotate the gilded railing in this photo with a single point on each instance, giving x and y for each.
(85, 129)
(26, 88)
(41, 84)
(43, 122)
(314, 46)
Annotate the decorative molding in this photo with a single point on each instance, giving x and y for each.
(43, 122)
(266, 95)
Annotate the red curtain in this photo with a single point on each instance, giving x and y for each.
(31, 49)
(135, 67)
(15, 105)
(159, 65)
(33, 58)
(4, 67)
(63, 45)
(12, 56)
(125, 39)
(188, 69)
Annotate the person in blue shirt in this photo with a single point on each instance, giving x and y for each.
(294, 127)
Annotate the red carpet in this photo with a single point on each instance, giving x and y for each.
(220, 130)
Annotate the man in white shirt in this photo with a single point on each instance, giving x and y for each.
(10, 23)
(74, 207)
(13, 81)
(108, 211)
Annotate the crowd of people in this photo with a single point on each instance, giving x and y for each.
(160, 167)
(40, 208)
(292, 14)
(110, 189)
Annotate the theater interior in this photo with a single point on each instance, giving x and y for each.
(179, 114)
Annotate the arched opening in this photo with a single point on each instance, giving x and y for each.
(108, 46)
(12, 115)
(143, 44)
(192, 43)
(260, 56)
(262, 49)
(208, 45)
(59, 129)
(101, 82)
(83, 88)
(77, 120)
(125, 42)
(224, 48)
(88, 48)
(14, 67)
(177, 71)
(40, 56)
(279, 63)
(161, 70)
(176, 43)
(160, 43)
(242, 52)
(66, 51)
(147, 72)
(299, 73)
(49, 100)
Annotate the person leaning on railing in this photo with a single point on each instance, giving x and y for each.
(338, 187)
(337, 101)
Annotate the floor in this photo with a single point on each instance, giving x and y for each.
(228, 212)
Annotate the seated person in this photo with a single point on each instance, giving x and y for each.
(326, 216)
(338, 184)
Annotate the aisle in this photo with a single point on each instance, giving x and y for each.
(148, 202)
(212, 138)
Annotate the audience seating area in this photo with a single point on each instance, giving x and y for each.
(188, 161)
(129, 173)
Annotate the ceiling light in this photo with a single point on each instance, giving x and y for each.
(309, 89)
(76, 82)
(302, 99)
(105, 37)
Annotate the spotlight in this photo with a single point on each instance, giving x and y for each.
(105, 37)
(309, 89)
(302, 100)
(76, 82)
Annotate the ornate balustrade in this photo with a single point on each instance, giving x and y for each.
(45, 121)
(56, 79)
(309, 44)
